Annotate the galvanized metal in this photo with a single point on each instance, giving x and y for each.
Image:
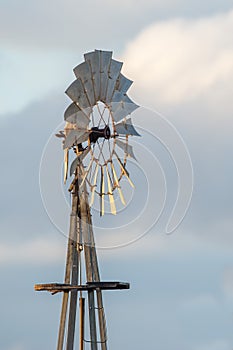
(75, 137)
(75, 115)
(121, 106)
(84, 73)
(105, 61)
(75, 91)
(128, 149)
(113, 74)
(126, 128)
(123, 84)
(93, 59)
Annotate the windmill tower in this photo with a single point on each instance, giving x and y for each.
(97, 130)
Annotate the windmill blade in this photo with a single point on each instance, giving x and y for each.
(83, 72)
(66, 163)
(113, 74)
(111, 198)
(126, 128)
(123, 84)
(93, 59)
(68, 127)
(94, 184)
(121, 106)
(77, 94)
(117, 184)
(124, 171)
(102, 192)
(128, 149)
(74, 137)
(75, 115)
(75, 90)
(105, 61)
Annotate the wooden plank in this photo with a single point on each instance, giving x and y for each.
(81, 322)
(60, 287)
(85, 231)
(101, 315)
(74, 294)
(73, 229)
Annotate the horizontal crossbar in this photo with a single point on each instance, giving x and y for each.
(60, 287)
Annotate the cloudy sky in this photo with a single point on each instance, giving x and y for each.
(180, 56)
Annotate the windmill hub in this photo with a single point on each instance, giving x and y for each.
(96, 133)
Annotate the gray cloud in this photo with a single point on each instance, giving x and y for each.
(71, 24)
(185, 306)
(182, 270)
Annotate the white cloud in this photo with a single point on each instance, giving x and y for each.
(180, 60)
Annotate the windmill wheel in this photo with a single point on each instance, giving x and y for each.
(98, 124)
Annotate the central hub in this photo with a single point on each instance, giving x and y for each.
(96, 133)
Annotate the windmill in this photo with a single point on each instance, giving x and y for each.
(97, 130)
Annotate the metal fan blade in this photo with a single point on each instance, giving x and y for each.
(124, 171)
(75, 136)
(94, 184)
(121, 106)
(75, 90)
(93, 59)
(68, 128)
(105, 60)
(75, 115)
(77, 94)
(83, 72)
(126, 128)
(102, 192)
(117, 184)
(111, 199)
(113, 74)
(122, 110)
(66, 163)
(123, 84)
(126, 148)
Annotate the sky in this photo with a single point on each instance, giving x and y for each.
(180, 56)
